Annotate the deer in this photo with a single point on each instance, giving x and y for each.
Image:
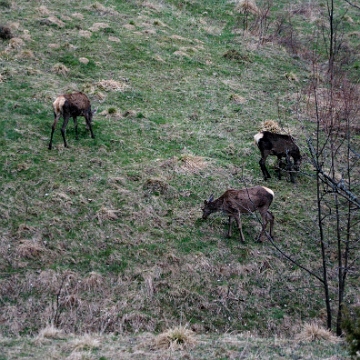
(71, 105)
(282, 146)
(236, 202)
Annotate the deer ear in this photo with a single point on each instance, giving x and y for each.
(211, 198)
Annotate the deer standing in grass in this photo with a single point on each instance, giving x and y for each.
(282, 146)
(236, 202)
(71, 105)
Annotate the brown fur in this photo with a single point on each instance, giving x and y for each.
(282, 146)
(236, 202)
(5, 32)
(71, 105)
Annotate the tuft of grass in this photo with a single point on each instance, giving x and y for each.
(178, 338)
(315, 332)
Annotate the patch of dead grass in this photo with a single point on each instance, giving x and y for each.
(313, 332)
(43, 10)
(60, 69)
(270, 125)
(107, 214)
(30, 249)
(56, 21)
(247, 7)
(99, 26)
(78, 16)
(191, 164)
(112, 85)
(16, 43)
(85, 342)
(49, 332)
(177, 338)
(85, 33)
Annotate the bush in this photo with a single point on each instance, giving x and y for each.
(351, 327)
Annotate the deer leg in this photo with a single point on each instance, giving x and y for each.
(63, 128)
(89, 126)
(270, 218)
(281, 166)
(76, 128)
(264, 169)
(238, 222)
(56, 119)
(229, 229)
(289, 168)
(267, 217)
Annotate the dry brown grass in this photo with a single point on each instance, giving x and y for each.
(56, 21)
(191, 164)
(60, 69)
(49, 332)
(270, 125)
(85, 33)
(237, 99)
(178, 338)
(99, 26)
(313, 332)
(108, 214)
(112, 85)
(247, 6)
(85, 342)
(16, 43)
(30, 249)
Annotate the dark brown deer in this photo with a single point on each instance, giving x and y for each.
(236, 202)
(282, 146)
(72, 105)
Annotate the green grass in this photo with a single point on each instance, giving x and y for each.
(126, 204)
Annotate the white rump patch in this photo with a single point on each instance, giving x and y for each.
(58, 104)
(257, 137)
(268, 190)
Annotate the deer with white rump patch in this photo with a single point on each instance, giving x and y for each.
(281, 146)
(236, 202)
(71, 105)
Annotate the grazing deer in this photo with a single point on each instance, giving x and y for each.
(281, 146)
(71, 105)
(235, 202)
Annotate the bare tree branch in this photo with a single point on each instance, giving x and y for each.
(353, 5)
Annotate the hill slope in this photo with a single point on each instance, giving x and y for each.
(106, 236)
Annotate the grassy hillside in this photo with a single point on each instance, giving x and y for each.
(106, 236)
